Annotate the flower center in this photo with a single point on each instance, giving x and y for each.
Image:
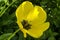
(26, 25)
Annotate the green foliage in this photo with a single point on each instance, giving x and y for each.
(8, 25)
(5, 36)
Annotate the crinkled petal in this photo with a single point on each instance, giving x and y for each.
(23, 10)
(37, 30)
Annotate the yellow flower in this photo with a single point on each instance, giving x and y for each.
(31, 19)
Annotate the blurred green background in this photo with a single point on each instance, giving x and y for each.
(8, 25)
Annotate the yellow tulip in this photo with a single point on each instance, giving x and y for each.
(31, 19)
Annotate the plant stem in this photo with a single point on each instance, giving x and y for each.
(13, 34)
(6, 8)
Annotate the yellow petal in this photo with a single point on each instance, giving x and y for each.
(20, 25)
(42, 14)
(33, 14)
(37, 30)
(23, 10)
(24, 32)
(22, 29)
(37, 14)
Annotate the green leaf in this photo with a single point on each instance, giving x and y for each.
(5, 36)
(6, 2)
(51, 38)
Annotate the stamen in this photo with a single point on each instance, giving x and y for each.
(26, 25)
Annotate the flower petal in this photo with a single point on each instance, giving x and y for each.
(37, 14)
(22, 29)
(37, 29)
(42, 14)
(23, 10)
(33, 14)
